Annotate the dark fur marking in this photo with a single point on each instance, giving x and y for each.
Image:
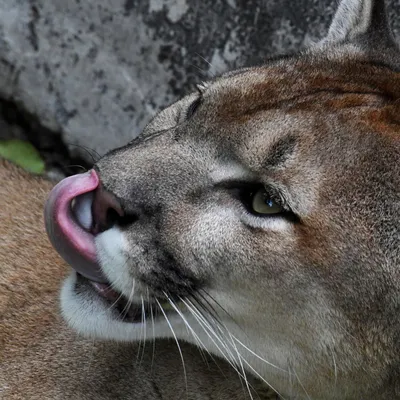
(280, 152)
(170, 277)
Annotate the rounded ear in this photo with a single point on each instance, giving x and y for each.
(358, 19)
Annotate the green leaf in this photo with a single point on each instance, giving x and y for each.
(23, 154)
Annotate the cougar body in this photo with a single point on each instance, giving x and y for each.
(258, 218)
(41, 358)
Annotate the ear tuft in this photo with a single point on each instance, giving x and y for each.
(357, 18)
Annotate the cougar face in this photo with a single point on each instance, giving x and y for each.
(257, 218)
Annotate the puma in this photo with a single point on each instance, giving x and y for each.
(257, 218)
(41, 358)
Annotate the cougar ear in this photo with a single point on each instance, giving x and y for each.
(358, 19)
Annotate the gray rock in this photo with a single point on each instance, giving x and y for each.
(96, 71)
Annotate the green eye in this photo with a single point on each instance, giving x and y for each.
(262, 203)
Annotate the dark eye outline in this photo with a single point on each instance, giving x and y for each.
(245, 192)
(247, 196)
(193, 107)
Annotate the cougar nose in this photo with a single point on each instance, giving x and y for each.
(106, 209)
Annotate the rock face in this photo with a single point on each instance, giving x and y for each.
(95, 71)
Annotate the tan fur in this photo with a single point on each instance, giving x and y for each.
(307, 299)
(41, 358)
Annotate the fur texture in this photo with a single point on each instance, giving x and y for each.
(307, 299)
(41, 358)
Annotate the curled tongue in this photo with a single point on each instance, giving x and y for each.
(71, 239)
(82, 209)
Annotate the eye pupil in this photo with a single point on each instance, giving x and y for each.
(263, 204)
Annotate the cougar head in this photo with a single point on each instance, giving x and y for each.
(257, 217)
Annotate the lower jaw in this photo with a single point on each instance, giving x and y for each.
(124, 309)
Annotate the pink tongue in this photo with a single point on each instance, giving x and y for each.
(75, 245)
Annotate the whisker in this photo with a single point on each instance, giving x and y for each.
(205, 73)
(113, 286)
(223, 309)
(259, 357)
(208, 308)
(301, 384)
(129, 302)
(115, 302)
(177, 343)
(222, 327)
(231, 360)
(260, 376)
(87, 150)
(204, 323)
(241, 343)
(244, 372)
(217, 322)
(175, 307)
(196, 337)
(76, 166)
(143, 333)
(212, 68)
(154, 333)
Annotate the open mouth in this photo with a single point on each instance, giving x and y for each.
(124, 310)
(77, 209)
(75, 212)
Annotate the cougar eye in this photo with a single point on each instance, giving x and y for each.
(263, 203)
